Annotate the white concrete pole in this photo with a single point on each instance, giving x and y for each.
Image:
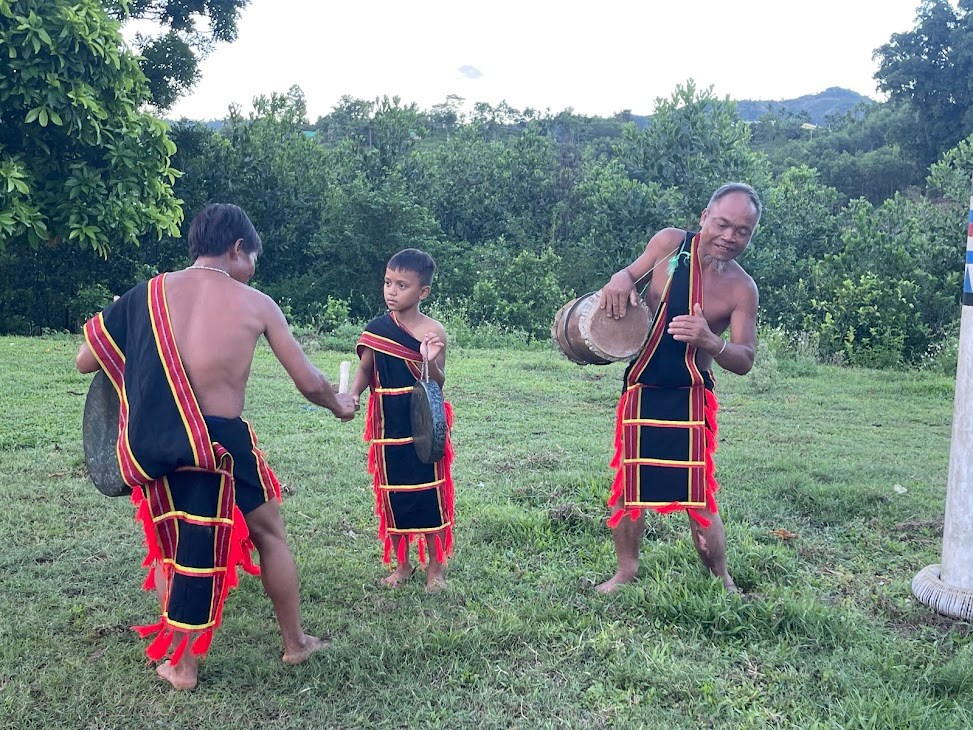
(948, 588)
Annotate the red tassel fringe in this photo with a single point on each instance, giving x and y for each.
(241, 551)
(444, 547)
(157, 650)
(617, 495)
(180, 649)
(202, 642)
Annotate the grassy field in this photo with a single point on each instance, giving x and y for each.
(852, 463)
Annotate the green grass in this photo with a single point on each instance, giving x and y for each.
(828, 635)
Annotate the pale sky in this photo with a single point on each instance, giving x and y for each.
(596, 58)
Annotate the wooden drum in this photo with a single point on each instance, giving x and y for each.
(587, 336)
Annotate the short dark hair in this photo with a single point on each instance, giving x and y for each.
(412, 259)
(738, 187)
(217, 227)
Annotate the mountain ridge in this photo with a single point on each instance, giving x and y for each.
(834, 100)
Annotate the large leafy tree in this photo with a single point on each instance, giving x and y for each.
(189, 30)
(930, 68)
(80, 162)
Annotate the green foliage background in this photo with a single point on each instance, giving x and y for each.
(860, 247)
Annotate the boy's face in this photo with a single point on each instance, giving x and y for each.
(403, 290)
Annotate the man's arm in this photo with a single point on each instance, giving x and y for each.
(310, 381)
(620, 291)
(735, 354)
(741, 348)
(86, 362)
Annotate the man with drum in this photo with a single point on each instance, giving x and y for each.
(666, 420)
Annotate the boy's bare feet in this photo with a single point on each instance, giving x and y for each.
(182, 676)
(309, 645)
(614, 583)
(435, 581)
(400, 576)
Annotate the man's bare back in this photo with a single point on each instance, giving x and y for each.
(217, 322)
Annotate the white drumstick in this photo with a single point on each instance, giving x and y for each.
(343, 371)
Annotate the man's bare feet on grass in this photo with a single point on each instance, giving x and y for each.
(310, 645)
(614, 583)
(182, 676)
(399, 576)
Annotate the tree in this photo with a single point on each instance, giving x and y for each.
(929, 68)
(191, 29)
(694, 143)
(79, 161)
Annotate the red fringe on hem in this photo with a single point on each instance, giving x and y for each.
(617, 495)
(240, 555)
(444, 538)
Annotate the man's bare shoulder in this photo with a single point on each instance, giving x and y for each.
(741, 283)
(257, 300)
(665, 240)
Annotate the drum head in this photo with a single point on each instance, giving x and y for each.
(428, 411)
(99, 432)
(618, 340)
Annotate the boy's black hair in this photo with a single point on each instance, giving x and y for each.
(217, 227)
(412, 259)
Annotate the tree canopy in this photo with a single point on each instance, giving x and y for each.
(929, 68)
(80, 162)
(189, 30)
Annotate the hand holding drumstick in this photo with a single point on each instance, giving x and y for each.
(345, 398)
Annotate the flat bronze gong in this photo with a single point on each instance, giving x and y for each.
(99, 431)
(428, 411)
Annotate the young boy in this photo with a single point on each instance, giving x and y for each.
(413, 500)
(178, 350)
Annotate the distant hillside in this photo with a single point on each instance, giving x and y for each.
(818, 106)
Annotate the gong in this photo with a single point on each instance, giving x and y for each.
(99, 432)
(428, 412)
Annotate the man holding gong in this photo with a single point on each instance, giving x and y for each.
(665, 434)
(178, 351)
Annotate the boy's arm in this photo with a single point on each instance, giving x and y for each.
(433, 349)
(363, 375)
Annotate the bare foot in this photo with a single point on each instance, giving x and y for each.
(614, 583)
(730, 586)
(309, 646)
(183, 675)
(435, 583)
(400, 576)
